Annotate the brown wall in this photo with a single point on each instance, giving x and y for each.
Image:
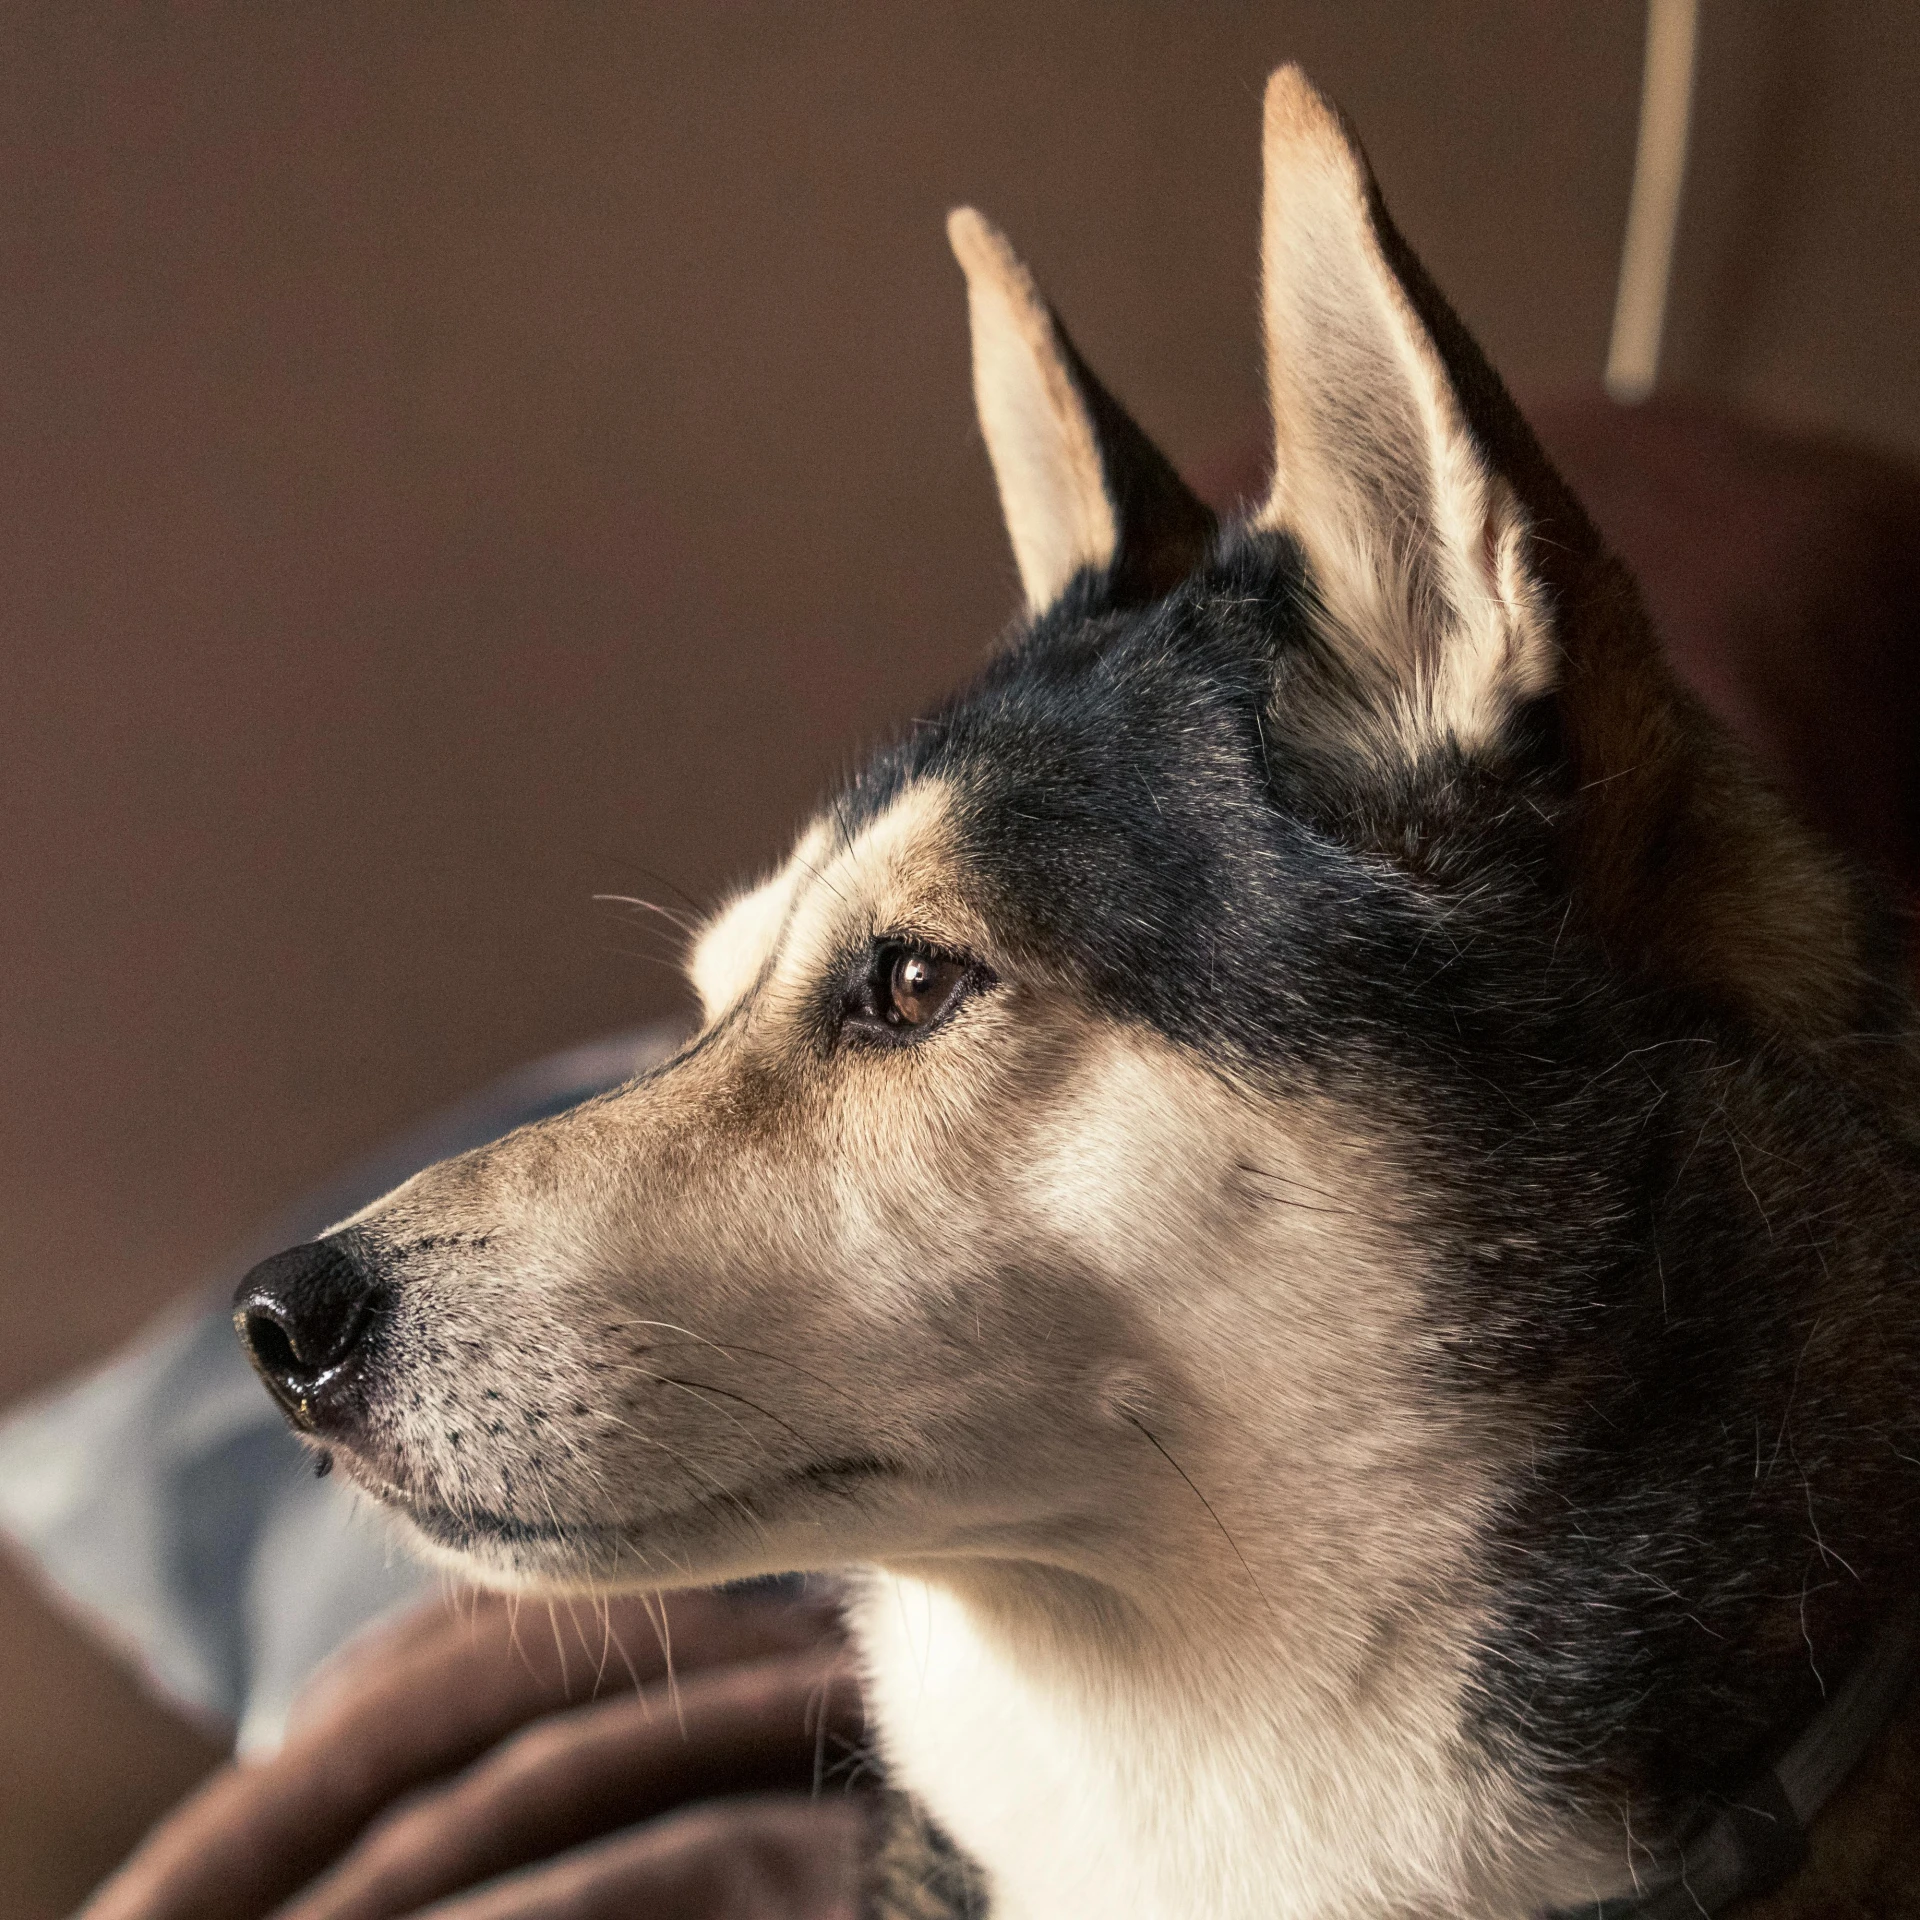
(461, 459)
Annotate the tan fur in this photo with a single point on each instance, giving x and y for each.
(1108, 1364)
(1035, 423)
(727, 953)
(1144, 1343)
(1415, 547)
(1379, 399)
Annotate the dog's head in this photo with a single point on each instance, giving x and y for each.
(1217, 1124)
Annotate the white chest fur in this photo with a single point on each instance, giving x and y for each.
(1084, 1789)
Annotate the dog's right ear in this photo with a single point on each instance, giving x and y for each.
(1082, 488)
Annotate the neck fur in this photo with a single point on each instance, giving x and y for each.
(1092, 1760)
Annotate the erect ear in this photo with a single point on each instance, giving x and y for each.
(1416, 543)
(1081, 486)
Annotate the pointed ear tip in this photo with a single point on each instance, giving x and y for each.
(979, 246)
(1298, 117)
(1291, 96)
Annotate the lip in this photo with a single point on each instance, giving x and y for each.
(472, 1527)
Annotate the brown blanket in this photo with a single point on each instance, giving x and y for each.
(692, 1756)
(483, 1762)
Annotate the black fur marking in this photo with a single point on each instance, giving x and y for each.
(1639, 1203)
(914, 1872)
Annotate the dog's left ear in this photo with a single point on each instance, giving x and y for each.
(1083, 489)
(1416, 543)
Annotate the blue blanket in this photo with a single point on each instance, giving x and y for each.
(164, 1500)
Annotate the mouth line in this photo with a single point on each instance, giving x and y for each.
(467, 1527)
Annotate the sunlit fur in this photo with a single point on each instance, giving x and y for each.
(1372, 1359)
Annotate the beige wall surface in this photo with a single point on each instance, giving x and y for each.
(461, 459)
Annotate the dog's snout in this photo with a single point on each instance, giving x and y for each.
(303, 1317)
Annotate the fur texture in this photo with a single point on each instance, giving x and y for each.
(1368, 1348)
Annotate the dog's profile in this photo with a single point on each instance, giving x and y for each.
(1313, 1178)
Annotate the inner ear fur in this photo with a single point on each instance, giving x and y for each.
(1081, 486)
(1458, 577)
(1416, 543)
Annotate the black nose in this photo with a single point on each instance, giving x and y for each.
(303, 1317)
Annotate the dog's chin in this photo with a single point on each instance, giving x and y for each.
(714, 1539)
(495, 1550)
(490, 1549)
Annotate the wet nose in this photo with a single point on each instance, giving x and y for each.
(303, 1317)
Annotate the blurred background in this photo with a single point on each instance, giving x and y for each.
(463, 459)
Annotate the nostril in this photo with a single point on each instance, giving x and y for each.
(270, 1344)
(303, 1317)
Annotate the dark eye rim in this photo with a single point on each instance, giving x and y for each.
(864, 1017)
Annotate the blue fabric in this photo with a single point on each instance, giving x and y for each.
(163, 1499)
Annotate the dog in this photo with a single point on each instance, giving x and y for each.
(1315, 1182)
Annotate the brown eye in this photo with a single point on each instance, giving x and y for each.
(921, 986)
(901, 991)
